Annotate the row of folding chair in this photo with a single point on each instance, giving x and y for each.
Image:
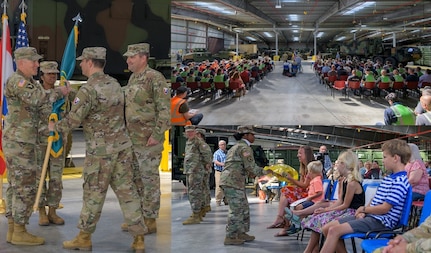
(369, 245)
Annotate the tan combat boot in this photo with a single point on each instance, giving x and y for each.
(124, 227)
(20, 236)
(202, 214)
(53, 217)
(193, 219)
(81, 242)
(138, 243)
(233, 241)
(246, 237)
(9, 230)
(151, 225)
(43, 219)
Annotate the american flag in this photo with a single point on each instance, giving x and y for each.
(22, 38)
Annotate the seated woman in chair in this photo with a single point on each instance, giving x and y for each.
(298, 190)
(236, 83)
(417, 174)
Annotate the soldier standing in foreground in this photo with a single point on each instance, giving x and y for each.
(196, 161)
(239, 163)
(98, 107)
(50, 197)
(206, 191)
(147, 99)
(24, 96)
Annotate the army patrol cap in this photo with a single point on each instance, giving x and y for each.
(49, 67)
(29, 53)
(245, 130)
(201, 131)
(135, 49)
(93, 53)
(190, 128)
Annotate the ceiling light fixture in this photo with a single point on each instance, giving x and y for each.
(278, 4)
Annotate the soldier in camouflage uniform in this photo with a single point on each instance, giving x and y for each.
(417, 240)
(24, 96)
(239, 163)
(147, 98)
(98, 107)
(206, 207)
(197, 160)
(50, 197)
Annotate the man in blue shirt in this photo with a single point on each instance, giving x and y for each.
(219, 159)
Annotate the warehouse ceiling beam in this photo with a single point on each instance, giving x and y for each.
(245, 6)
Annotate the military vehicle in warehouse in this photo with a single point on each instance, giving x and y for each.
(376, 50)
(197, 55)
(112, 24)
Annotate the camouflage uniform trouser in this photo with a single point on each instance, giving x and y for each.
(147, 177)
(113, 170)
(51, 196)
(206, 191)
(238, 220)
(195, 188)
(21, 175)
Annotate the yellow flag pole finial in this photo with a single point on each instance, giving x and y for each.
(23, 17)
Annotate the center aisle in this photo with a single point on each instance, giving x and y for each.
(278, 99)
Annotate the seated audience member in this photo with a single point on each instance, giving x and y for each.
(236, 82)
(417, 174)
(396, 76)
(286, 68)
(386, 207)
(315, 195)
(362, 168)
(397, 113)
(245, 76)
(383, 78)
(350, 196)
(181, 115)
(424, 119)
(417, 240)
(295, 189)
(411, 76)
(355, 78)
(426, 91)
(425, 78)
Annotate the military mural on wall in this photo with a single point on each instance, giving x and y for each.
(112, 24)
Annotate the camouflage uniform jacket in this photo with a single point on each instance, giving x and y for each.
(24, 96)
(239, 163)
(419, 239)
(99, 106)
(148, 101)
(197, 156)
(44, 113)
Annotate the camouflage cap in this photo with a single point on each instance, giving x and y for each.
(190, 128)
(201, 131)
(245, 130)
(29, 53)
(93, 53)
(137, 48)
(49, 67)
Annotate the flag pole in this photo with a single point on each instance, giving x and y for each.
(3, 57)
(42, 175)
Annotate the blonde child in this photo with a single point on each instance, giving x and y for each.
(315, 194)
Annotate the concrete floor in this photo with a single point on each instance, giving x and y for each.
(108, 236)
(281, 100)
(208, 236)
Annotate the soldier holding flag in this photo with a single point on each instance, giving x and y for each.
(24, 96)
(51, 195)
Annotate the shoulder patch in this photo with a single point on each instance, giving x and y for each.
(246, 153)
(76, 100)
(166, 91)
(21, 83)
